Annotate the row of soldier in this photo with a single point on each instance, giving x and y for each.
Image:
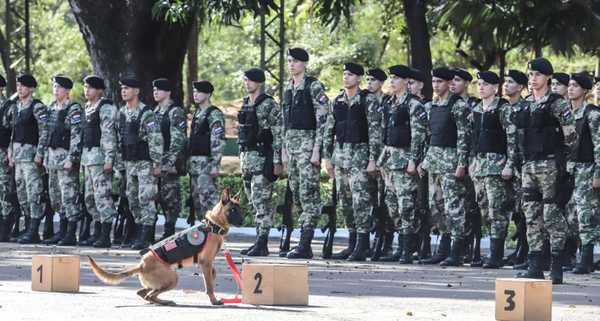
(467, 154)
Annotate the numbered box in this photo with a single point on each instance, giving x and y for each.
(523, 300)
(55, 273)
(275, 284)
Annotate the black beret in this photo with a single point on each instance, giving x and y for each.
(162, 84)
(27, 80)
(354, 68)
(583, 79)
(489, 76)
(417, 74)
(443, 73)
(518, 76)
(542, 65)
(462, 74)
(255, 74)
(401, 71)
(203, 86)
(377, 73)
(130, 82)
(298, 54)
(2, 81)
(63, 81)
(94, 82)
(561, 77)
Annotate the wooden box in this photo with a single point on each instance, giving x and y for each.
(523, 300)
(55, 273)
(275, 284)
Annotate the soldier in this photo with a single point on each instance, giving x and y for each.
(584, 164)
(173, 126)
(560, 84)
(493, 148)
(446, 162)
(142, 148)
(305, 109)
(205, 149)
(98, 158)
(460, 86)
(404, 133)
(260, 154)
(7, 185)
(29, 121)
(542, 121)
(63, 157)
(355, 122)
(416, 82)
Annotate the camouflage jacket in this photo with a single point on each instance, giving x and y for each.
(216, 122)
(354, 155)
(107, 152)
(149, 131)
(56, 157)
(177, 130)
(5, 119)
(593, 121)
(25, 152)
(395, 158)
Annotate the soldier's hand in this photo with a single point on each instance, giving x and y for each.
(460, 172)
(507, 174)
(371, 168)
(315, 159)
(11, 163)
(420, 170)
(68, 165)
(39, 161)
(108, 168)
(411, 169)
(156, 171)
(277, 169)
(214, 172)
(330, 169)
(596, 183)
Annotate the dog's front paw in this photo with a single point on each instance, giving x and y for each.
(216, 302)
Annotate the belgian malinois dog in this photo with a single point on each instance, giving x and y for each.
(157, 275)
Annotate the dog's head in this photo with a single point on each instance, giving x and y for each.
(232, 208)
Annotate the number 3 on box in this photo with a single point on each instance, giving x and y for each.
(509, 300)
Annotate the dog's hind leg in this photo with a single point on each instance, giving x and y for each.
(142, 293)
(153, 297)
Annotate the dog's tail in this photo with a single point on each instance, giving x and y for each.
(110, 277)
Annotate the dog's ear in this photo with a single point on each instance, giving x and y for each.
(225, 196)
(236, 198)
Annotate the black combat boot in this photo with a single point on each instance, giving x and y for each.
(398, 253)
(245, 251)
(388, 240)
(70, 238)
(4, 229)
(496, 259)
(456, 254)
(425, 247)
(168, 230)
(32, 236)
(546, 256)
(16, 233)
(410, 244)
(131, 235)
(262, 246)
(556, 271)
(569, 255)
(104, 239)
(345, 253)
(303, 250)
(534, 266)
(586, 262)
(62, 230)
(361, 250)
(145, 238)
(95, 235)
(442, 252)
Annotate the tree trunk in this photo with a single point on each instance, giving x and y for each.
(192, 60)
(6, 49)
(414, 13)
(123, 39)
(502, 67)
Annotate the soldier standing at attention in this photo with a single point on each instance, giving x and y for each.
(260, 154)
(305, 109)
(560, 84)
(142, 148)
(7, 185)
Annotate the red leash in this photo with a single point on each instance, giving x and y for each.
(236, 276)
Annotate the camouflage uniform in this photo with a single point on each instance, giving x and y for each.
(7, 181)
(299, 144)
(169, 184)
(64, 184)
(257, 186)
(204, 189)
(98, 184)
(142, 185)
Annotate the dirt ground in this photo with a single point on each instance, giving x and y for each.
(338, 291)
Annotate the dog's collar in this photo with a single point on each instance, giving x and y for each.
(214, 228)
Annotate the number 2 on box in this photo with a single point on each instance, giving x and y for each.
(509, 300)
(257, 289)
(41, 270)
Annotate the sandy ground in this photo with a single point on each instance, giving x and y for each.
(338, 291)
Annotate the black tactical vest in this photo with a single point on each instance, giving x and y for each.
(90, 126)
(26, 126)
(397, 123)
(488, 133)
(542, 135)
(351, 121)
(251, 136)
(583, 152)
(182, 245)
(443, 126)
(200, 137)
(472, 102)
(133, 147)
(299, 111)
(59, 136)
(5, 132)
(165, 128)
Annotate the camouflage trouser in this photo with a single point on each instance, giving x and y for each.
(587, 202)
(142, 191)
(7, 185)
(493, 199)
(63, 190)
(204, 193)
(353, 193)
(304, 183)
(541, 211)
(572, 219)
(259, 191)
(169, 196)
(403, 187)
(446, 203)
(30, 188)
(423, 214)
(98, 194)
